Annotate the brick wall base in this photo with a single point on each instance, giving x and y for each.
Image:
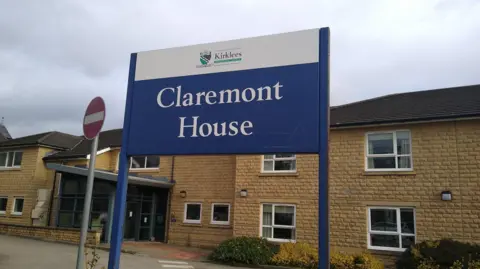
(64, 235)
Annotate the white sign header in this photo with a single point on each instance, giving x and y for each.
(258, 52)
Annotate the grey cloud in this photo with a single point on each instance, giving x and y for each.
(55, 55)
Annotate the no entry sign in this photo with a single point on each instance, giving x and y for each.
(94, 118)
(92, 124)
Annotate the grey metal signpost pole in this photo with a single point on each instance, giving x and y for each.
(86, 207)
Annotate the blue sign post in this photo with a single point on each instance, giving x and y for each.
(259, 95)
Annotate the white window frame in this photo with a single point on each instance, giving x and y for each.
(397, 233)
(294, 158)
(3, 212)
(273, 226)
(185, 220)
(14, 205)
(9, 154)
(212, 221)
(394, 154)
(141, 168)
(118, 160)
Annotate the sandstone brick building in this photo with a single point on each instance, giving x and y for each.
(403, 168)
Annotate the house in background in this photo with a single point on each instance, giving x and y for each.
(157, 191)
(403, 168)
(25, 182)
(147, 195)
(4, 134)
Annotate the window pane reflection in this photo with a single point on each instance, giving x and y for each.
(381, 240)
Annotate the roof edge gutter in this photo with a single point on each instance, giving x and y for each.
(67, 158)
(30, 145)
(100, 152)
(407, 121)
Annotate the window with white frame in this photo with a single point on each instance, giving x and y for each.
(3, 205)
(279, 163)
(193, 213)
(11, 159)
(144, 162)
(389, 151)
(220, 214)
(278, 222)
(391, 228)
(17, 206)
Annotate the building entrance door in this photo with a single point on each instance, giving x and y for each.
(145, 215)
(131, 220)
(161, 218)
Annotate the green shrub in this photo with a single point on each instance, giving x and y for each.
(305, 256)
(296, 255)
(355, 261)
(474, 264)
(441, 254)
(244, 250)
(257, 251)
(428, 264)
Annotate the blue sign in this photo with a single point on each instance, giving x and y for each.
(249, 111)
(259, 95)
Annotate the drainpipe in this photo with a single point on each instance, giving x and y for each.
(169, 204)
(173, 167)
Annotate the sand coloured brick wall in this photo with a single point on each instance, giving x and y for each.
(50, 234)
(299, 189)
(446, 156)
(206, 180)
(24, 182)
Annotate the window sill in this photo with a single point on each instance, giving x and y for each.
(16, 214)
(10, 169)
(280, 241)
(389, 173)
(279, 174)
(188, 224)
(219, 226)
(143, 169)
(386, 250)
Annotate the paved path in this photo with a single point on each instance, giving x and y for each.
(22, 253)
(164, 251)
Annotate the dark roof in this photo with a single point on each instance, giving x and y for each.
(4, 134)
(50, 139)
(110, 138)
(440, 104)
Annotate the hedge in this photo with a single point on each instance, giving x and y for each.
(441, 254)
(257, 251)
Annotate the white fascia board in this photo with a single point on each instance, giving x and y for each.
(100, 152)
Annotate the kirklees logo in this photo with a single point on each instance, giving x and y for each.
(205, 57)
(220, 57)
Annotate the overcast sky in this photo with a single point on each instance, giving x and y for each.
(56, 55)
